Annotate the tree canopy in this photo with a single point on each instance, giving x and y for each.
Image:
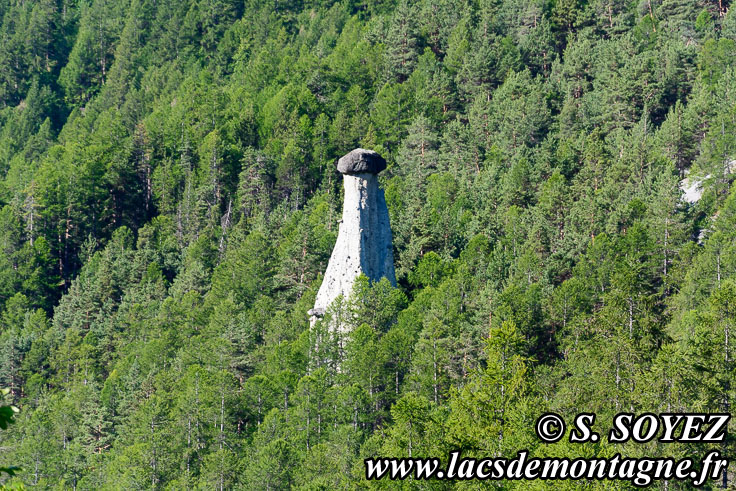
(169, 201)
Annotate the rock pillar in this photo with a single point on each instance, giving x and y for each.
(364, 238)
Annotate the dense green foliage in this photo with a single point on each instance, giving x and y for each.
(168, 201)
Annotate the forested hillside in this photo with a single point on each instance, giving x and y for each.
(169, 201)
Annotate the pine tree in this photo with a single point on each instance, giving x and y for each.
(401, 55)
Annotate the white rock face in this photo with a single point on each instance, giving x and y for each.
(363, 242)
(692, 187)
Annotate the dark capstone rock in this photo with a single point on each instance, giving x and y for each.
(361, 161)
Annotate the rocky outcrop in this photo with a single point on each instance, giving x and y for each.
(364, 239)
(692, 187)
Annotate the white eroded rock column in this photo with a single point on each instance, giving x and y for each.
(364, 237)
